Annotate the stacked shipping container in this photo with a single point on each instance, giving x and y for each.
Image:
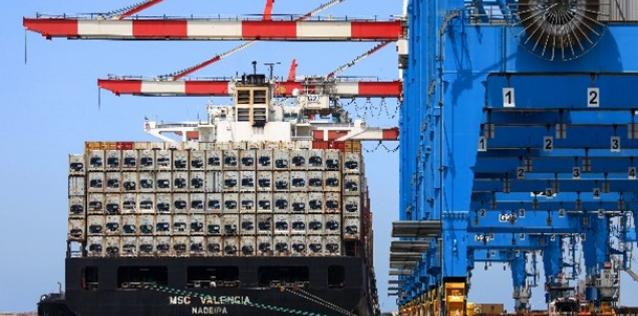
(156, 199)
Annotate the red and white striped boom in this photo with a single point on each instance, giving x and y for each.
(224, 88)
(215, 29)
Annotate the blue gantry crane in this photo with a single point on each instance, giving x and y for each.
(519, 141)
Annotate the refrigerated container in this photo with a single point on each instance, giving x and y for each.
(180, 202)
(315, 181)
(332, 245)
(95, 181)
(332, 181)
(146, 203)
(247, 202)
(264, 181)
(315, 224)
(197, 160)
(351, 184)
(231, 203)
(231, 181)
(299, 181)
(298, 160)
(332, 159)
(76, 229)
(315, 159)
(298, 224)
(213, 160)
(281, 159)
(214, 202)
(129, 224)
(128, 246)
(129, 181)
(146, 158)
(351, 205)
(163, 202)
(95, 160)
(213, 225)
(282, 224)
(351, 163)
(129, 160)
(163, 246)
(264, 159)
(247, 181)
(95, 225)
(264, 202)
(264, 224)
(247, 159)
(146, 224)
(197, 246)
(163, 159)
(129, 202)
(95, 246)
(95, 203)
(163, 181)
(230, 224)
(231, 246)
(230, 159)
(197, 182)
(180, 181)
(180, 224)
(298, 245)
(281, 181)
(264, 246)
(315, 202)
(298, 202)
(163, 224)
(214, 246)
(180, 160)
(113, 181)
(197, 224)
(247, 224)
(281, 202)
(351, 227)
(197, 202)
(332, 202)
(181, 246)
(76, 165)
(332, 224)
(247, 245)
(113, 159)
(281, 245)
(147, 181)
(315, 245)
(146, 246)
(113, 225)
(77, 207)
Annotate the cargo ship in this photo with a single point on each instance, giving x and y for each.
(262, 209)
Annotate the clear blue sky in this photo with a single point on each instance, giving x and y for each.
(49, 108)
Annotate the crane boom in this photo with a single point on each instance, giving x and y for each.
(215, 29)
(224, 88)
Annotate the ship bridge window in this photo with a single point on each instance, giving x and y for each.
(283, 275)
(336, 276)
(212, 277)
(90, 279)
(259, 96)
(136, 277)
(243, 96)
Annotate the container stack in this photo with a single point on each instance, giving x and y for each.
(206, 199)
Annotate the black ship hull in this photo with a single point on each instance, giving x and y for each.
(214, 286)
